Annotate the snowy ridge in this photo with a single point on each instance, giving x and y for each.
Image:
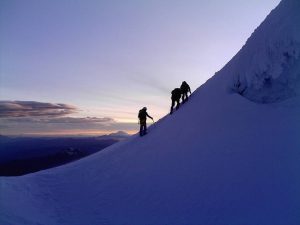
(220, 159)
(267, 68)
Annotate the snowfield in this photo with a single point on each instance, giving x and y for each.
(223, 158)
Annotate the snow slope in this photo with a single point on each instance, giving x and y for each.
(221, 159)
(267, 69)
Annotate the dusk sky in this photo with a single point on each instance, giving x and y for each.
(87, 67)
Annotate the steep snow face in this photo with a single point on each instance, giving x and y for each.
(267, 68)
(219, 159)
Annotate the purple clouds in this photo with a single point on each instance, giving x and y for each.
(9, 109)
(31, 117)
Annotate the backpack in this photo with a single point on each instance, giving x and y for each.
(176, 93)
(142, 115)
(184, 87)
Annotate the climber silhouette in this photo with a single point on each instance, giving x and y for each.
(176, 95)
(185, 89)
(143, 118)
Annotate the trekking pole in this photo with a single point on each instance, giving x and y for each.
(153, 124)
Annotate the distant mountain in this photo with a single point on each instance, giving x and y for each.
(21, 155)
(3, 137)
(120, 135)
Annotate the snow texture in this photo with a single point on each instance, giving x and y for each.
(220, 159)
(267, 67)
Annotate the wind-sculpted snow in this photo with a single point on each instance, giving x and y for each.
(267, 68)
(220, 159)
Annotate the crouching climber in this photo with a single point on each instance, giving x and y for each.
(175, 97)
(185, 89)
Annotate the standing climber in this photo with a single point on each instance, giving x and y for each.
(185, 88)
(176, 95)
(143, 118)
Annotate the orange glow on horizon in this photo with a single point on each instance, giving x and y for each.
(77, 133)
